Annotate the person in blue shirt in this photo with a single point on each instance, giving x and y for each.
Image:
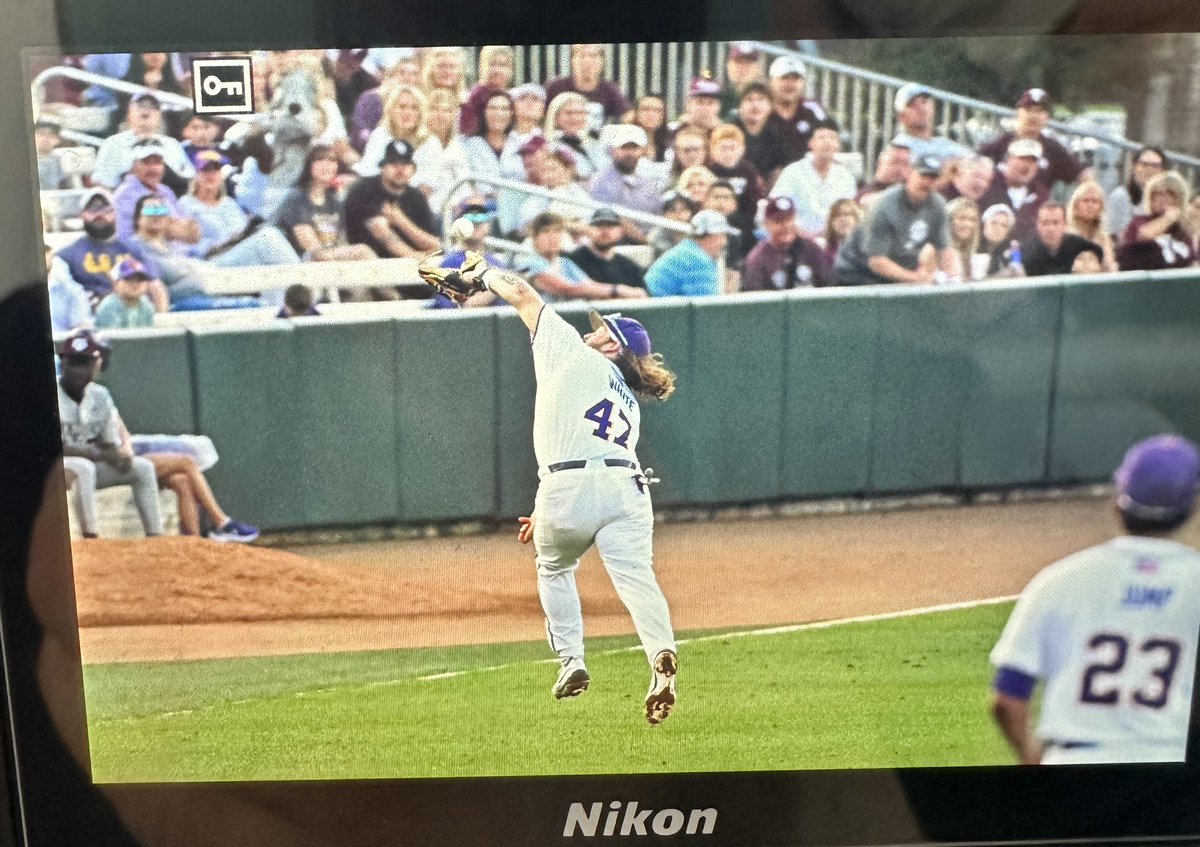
(690, 267)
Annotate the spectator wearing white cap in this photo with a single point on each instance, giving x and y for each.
(529, 109)
(587, 78)
(915, 113)
(764, 140)
(690, 268)
(743, 64)
(785, 258)
(625, 181)
(905, 220)
(795, 116)
(817, 181)
(145, 177)
(1057, 163)
(115, 156)
(1015, 185)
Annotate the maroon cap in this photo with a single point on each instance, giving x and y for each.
(703, 86)
(1035, 97)
(780, 208)
(535, 143)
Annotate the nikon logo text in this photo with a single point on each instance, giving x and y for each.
(627, 819)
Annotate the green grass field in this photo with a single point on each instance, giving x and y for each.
(907, 692)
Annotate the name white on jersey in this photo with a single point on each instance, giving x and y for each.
(1112, 631)
(584, 409)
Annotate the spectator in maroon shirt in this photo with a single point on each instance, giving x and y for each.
(495, 75)
(794, 116)
(764, 141)
(784, 259)
(587, 78)
(1056, 163)
(1159, 240)
(1015, 185)
(891, 168)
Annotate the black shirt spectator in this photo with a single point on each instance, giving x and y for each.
(1052, 250)
(386, 213)
(597, 258)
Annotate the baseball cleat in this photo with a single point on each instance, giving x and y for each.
(572, 680)
(660, 699)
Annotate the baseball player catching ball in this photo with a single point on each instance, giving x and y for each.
(1111, 631)
(592, 489)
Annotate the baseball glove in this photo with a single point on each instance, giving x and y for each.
(450, 281)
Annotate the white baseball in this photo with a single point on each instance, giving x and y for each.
(462, 228)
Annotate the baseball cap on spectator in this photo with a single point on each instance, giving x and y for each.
(619, 135)
(397, 152)
(535, 143)
(995, 210)
(80, 344)
(632, 335)
(671, 198)
(1158, 478)
(129, 268)
(1034, 97)
(785, 65)
(147, 99)
(97, 200)
(755, 86)
(704, 86)
(710, 222)
(477, 213)
(780, 208)
(148, 147)
(909, 92)
(154, 207)
(604, 216)
(202, 159)
(1025, 148)
(528, 89)
(744, 50)
(928, 164)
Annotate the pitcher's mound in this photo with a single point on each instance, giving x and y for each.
(178, 580)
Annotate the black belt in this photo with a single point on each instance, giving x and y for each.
(576, 464)
(1072, 745)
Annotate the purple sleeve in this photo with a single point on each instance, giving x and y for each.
(1014, 683)
(469, 114)
(368, 110)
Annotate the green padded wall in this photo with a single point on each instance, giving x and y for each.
(344, 403)
(150, 378)
(516, 466)
(828, 393)
(249, 402)
(445, 389)
(1129, 367)
(737, 362)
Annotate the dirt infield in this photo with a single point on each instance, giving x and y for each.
(179, 598)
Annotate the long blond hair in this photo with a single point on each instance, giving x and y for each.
(556, 105)
(418, 136)
(964, 250)
(429, 60)
(647, 375)
(490, 51)
(1092, 232)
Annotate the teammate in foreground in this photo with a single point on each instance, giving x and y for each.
(592, 490)
(1111, 630)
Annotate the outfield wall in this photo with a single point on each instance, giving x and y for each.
(819, 393)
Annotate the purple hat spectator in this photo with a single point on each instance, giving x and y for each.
(1036, 97)
(202, 159)
(703, 86)
(780, 208)
(128, 268)
(1158, 479)
(629, 332)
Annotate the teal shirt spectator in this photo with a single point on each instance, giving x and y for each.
(685, 270)
(112, 313)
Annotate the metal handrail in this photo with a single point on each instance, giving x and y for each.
(169, 99)
(538, 191)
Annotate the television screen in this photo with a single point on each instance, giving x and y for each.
(335, 522)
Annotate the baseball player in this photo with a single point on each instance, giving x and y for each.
(1111, 631)
(592, 489)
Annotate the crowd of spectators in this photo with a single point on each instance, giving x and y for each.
(355, 154)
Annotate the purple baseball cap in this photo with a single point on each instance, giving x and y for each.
(1158, 479)
(629, 332)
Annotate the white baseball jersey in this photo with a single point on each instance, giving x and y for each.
(90, 421)
(1112, 632)
(584, 409)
